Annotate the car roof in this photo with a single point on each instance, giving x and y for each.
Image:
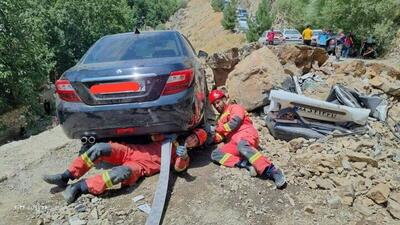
(141, 33)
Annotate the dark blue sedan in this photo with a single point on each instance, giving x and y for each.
(133, 84)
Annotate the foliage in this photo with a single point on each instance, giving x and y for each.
(379, 18)
(263, 21)
(229, 20)
(252, 34)
(217, 5)
(75, 25)
(150, 13)
(26, 59)
(42, 38)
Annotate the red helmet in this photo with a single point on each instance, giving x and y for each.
(201, 135)
(215, 94)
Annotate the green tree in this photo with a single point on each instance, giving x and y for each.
(217, 5)
(229, 19)
(151, 13)
(26, 59)
(75, 25)
(263, 21)
(264, 17)
(293, 12)
(380, 18)
(252, 34)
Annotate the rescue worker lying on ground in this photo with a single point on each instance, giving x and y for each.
(132, 162)
(235, 128)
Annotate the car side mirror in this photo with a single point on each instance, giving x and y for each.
(202, 54)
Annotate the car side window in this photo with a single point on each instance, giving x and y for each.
(188, 44)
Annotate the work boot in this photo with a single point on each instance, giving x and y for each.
(276, 175)
(61, 180)
(247, 165)
(74, 191)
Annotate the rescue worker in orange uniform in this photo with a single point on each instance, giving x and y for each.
(132, 162)
(235, 128)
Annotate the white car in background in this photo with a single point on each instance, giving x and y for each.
(278, 38)
(315, 37)
(292, 36)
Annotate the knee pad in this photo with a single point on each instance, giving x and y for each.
(99, 149)
(120, 173)
(245, 148)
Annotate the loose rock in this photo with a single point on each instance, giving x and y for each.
(359, 157)
(379, 193)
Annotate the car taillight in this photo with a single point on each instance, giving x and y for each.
(66, 92)
(178, 81)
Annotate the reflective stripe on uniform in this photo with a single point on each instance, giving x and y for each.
(227, 128)
(224, 158)
(87, 160)
(223, 115)
(255, 157)
(107, 179)
(219, 137)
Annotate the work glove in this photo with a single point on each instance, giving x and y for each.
(99, 149)
(182, 152)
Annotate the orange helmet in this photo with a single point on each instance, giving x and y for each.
(201, 135)
(215, 94)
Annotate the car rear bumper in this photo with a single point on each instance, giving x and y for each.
(172, 113)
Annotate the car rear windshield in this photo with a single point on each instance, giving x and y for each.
(292, 32)
(134, 46)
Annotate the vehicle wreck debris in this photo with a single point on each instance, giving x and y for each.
(344, 112)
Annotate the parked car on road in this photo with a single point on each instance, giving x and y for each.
(292, 36)
(242, 24)
(278, 38)
(315, 39)
(241, 12)
(133, 84)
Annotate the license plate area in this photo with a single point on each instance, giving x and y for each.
(118, 88)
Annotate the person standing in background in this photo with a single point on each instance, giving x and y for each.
(307, 35)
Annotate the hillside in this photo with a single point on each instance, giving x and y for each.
(203, 27)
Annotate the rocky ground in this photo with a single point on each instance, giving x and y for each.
(335, 180)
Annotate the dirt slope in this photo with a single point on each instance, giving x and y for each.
(203, 27)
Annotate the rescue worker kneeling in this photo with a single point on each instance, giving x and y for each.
(235, 128)
(132, 162)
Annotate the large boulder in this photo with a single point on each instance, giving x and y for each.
(254, 76)
(353, 68)
(222, 64)
(300, 55)
(379, 69)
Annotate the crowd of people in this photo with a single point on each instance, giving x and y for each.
(345, 41)
(339, 44)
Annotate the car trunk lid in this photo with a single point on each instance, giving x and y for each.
(124, 81)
